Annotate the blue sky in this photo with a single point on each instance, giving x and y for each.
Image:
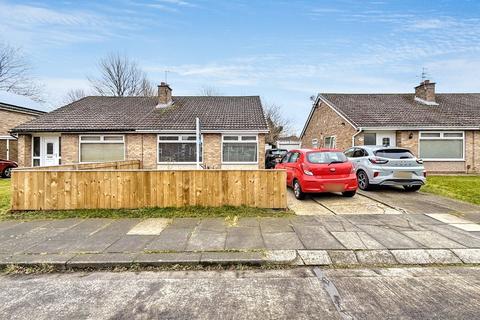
(284, 51)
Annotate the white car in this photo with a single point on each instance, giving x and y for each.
(387, 166)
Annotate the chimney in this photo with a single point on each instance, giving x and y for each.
(164, 95)
(425, 92)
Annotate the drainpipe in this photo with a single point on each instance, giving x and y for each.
(356, 134)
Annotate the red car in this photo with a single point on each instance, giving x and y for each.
(6, 167)
(319, 170)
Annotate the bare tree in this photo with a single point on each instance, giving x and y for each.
(277, 123)
(15, 73)
(120, 76)
(209, 91)
(74, 95)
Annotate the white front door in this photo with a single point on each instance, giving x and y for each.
(50, 151)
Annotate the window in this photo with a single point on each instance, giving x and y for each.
(240, 149)
(315, 143)
(36, 151)
(359, 153)
(369, 139)
(329, 142)
(102, 148)
(294, 157)
(326, 157)
(441, 145)
(349, 152)
(178, 148)
(386, 142)
(286, 157)
(394, 154)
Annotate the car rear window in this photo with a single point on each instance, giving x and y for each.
(326, 157)
(394, 154)
(279, 152)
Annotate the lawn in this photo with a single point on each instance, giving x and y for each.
(465, 188)
(185, 212)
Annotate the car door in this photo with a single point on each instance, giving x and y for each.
(284, 162)
(292, 166)
(352, 154)
(359, 156)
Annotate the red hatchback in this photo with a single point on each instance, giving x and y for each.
(6, 167)
(319, 170)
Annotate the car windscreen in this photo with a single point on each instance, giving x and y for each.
(279, 153)
(394, 154)
(326, 157)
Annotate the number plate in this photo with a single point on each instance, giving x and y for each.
(334, 187)
(402, 175)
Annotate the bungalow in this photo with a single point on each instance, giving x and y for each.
(160, 131)
(14, 110)
(442, 129)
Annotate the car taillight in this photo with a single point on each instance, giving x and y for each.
(419, 161)
(306, 170)
(375, 174)
(377, 160)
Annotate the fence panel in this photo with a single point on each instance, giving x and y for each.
(109, 189)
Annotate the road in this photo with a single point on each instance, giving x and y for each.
(405, 293)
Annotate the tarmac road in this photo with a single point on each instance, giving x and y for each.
(301, 293)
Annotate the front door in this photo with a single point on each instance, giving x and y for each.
(50, 151)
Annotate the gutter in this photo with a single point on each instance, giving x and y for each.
(359, 130)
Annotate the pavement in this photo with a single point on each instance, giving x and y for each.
(336, 240)
(300, 293)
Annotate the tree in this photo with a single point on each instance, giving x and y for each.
(120, 76)
(277, 123)
(74, 95)
(15, 73)
(208, 91)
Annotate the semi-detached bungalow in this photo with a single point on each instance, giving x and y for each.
(160, 131)
(442, 129)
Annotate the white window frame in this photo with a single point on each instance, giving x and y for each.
(239, 141)
(334, 142)
(441, 137)
(315, 143)
(102, 137)
(179, 141)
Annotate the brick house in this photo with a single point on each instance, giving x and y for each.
(160, 131)
(13, 112)
(442, 129)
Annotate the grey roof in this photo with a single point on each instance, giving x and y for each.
(14, 108)
(140, 113)
(460, 110)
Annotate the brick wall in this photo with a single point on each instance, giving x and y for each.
(11, 119)
(261, 151)
(212, 150)
(142, 147)
(24, 150)
(69, 148)
(326, 122)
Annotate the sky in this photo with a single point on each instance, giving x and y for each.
(283, 51)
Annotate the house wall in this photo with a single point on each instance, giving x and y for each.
(326, 122)
(212, 150)
(69, 148)
(24, 150)
(140, 146)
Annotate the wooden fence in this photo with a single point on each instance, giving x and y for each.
(127, 164)
(96, 189)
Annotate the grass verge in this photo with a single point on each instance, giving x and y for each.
(465, 188)
(4, 195)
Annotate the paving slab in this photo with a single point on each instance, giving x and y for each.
(364, 219)
(412, 256)
(369, 242)
(96, 243)
(282, 240)
(282, 256)
(306, 206)
(226, 257)
(443, 256)
(155, 259)
(83, 229)
(457, 235)
(37, 259)
(314, 237)
(170, 240)
(342, 257)
(4, 225)
(315, 257)
(468, 255)
(212, 224)
(340, 226)
(355, 205)
(447, 218)
(389, 237)
(467, 226)
(188, 223)
(431, 239)
(151, 226)
(130, 243)
(248, 222)
(244, 238)
(349, 240)
(206, 240)
(53, 246)
(375, 257)
(19, 244)
(101, 260)
(275, 225)
(22, 228)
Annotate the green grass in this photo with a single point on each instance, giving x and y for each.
(232, 213)
(465, 188)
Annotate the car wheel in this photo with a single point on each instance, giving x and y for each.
(363, 182)
(349, 193)
(7, 173)
(297, 190)
(412, 188)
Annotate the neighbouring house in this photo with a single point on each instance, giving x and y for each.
(442, 129)
(160, 131)
(14, 110)
(289, 143)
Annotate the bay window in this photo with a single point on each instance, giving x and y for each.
(102, 148)
(239, 148)
(178, 148)
(441, 145)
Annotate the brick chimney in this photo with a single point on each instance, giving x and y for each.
(164, 95)
(425, 92)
